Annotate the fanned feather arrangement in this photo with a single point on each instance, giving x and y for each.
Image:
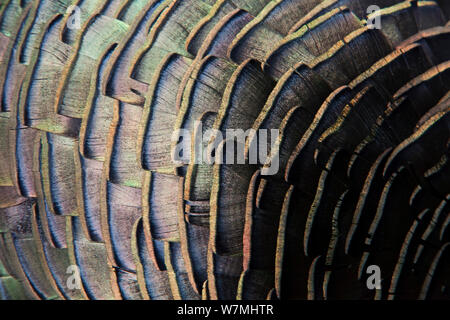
(93, 205)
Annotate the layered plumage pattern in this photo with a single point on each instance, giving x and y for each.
(86, 172)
